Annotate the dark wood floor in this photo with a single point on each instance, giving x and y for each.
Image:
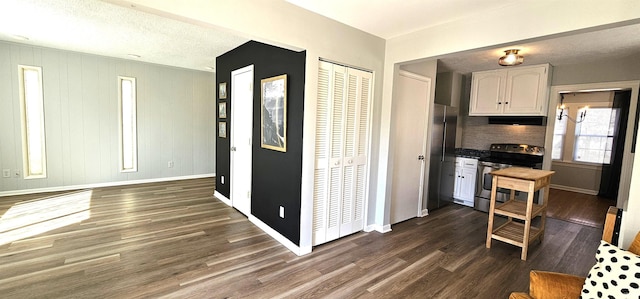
(578, 207)
(174, 240)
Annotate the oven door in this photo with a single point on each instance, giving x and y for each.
(483, 186)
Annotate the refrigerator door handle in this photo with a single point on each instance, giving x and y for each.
(444, 140)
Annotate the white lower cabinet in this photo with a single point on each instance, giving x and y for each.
(465, 183)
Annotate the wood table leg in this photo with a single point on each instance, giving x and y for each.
(492, 207)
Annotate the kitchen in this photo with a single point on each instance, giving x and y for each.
(476, 134)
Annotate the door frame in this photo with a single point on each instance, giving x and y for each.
(628, 156)
(245, 116)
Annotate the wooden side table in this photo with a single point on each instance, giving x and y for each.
(514, 232)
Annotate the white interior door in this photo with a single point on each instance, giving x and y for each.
(241, 133)
(409, 137)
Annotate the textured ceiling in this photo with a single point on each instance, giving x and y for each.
(96, 27)
(619, 42)
(391, 18)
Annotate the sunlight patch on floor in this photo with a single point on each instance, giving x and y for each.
(31, 218)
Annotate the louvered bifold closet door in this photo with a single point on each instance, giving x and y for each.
(355, 151)
(342, 128)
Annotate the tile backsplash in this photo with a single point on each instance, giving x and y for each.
(477, 133)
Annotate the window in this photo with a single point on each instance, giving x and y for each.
(559, 131)
(127, 113)
(32, 116)
(594, 136)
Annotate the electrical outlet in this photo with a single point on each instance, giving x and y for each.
(6, 173)
(281, 212)
(222, 179)
(170, 164)
(16, 173)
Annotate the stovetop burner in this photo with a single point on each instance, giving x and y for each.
(515, 154)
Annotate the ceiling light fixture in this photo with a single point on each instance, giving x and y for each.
(510, 58)
(209, 68)
(133, 55)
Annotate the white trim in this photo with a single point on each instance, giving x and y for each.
(299, 251)
(134, 112)
(26, 132)
(414, 76)
(424, 212)
(581, 165)
(379, 228)
(222, 198)
(108, 184)
(574, 189)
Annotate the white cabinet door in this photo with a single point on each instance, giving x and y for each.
(468, 187)
(510, 92)
(458, 183)
(465, 180)
(487, 92)
(526, 91)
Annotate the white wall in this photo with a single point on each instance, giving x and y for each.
(176, 120)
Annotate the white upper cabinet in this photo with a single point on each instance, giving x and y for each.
(514, 91)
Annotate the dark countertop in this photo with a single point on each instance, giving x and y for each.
(471, 153)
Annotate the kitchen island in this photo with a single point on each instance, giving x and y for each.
(519, 233)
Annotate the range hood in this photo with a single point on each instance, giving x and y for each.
(518, 120)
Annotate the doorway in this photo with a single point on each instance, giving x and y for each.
(411, 104)
(241, 135)
(620, 164)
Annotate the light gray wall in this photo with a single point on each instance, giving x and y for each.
(567, 178)
(606, 70)
(176, 120)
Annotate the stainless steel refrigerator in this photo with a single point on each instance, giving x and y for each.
(442, 160)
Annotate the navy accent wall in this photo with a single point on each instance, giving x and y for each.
(276, 176)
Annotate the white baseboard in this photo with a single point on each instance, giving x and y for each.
(280, 238)
(107, 184)
(379, 228)
(574, 189)
(423, 213)
(222, 198)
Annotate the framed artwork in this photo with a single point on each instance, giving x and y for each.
(222, 90)
(222, 110)
(222, 129)
(273, 132)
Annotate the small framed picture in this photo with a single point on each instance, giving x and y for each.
(222, 90)
(222, 129)
(222, 110)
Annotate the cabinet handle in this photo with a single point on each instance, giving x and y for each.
(506, 103)
(463, 177)
(499, 103)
